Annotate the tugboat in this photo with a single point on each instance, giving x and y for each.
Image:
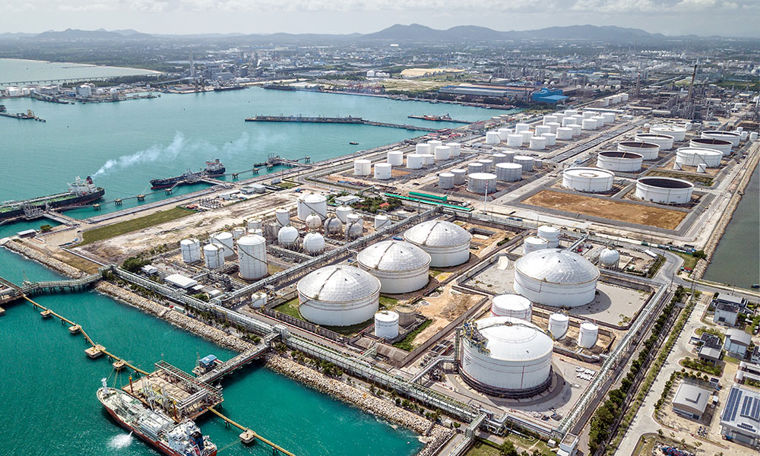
(213, 169)
(154, 427)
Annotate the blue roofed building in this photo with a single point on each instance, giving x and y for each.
(740, 421)
(549, 96)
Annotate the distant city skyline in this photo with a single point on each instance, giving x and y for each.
(669, 17)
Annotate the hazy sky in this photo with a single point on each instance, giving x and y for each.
(671, 17)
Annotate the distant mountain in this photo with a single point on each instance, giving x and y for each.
(90, 35)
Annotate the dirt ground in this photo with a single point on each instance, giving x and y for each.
(444, 309)
(615, 210)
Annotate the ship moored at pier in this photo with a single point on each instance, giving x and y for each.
(81, 192)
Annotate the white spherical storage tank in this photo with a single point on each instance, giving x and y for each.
(508, 172)
(225, 241)
(446, 243)
(514, 140)
(252, 254)
(191, 250)
(414, 161)
(609, 258)
(730, 136)
(564, 133)
(592, 180)
(313, 222)
(695, 156)
(511, 305)
(711, 143)
(383, 171)
(481, 183)
(647, 150)
(550, 234)
(665, 190)
(400, 266)
(312, 203)
(214, 256)
(587, 334)
(678, 133)
(506, 357)
(558, 325)
(287, 236)
(386, 324)
(664, 141)
(362, 167)
(537, 143)
(556, 277)
(533, 243)
(395, 157)
(313, 243)
(615, 160)
(446, 181)
(338, 295)
(492, 137)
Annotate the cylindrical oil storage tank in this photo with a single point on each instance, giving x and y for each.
(492, 137)
(506, 357)
(214, 256)
(678, 133)
(592, 180)
(730, 136)
(576, 130)
(481, 183)
(312, 203)
(400, 266)
(550, 234)
(695, 156)
(428, 160)
(433, 144)
(564, 133)
(225, 241)
(282, 216)
(191, 250)
(551, 138)
(288, 236)
(589, 124)
(537, 143)
(414, 161)
(386, 324)
(541, 129)
(615, 160)
(447, 244)
(665, 190)
(383, 171)
(442, 153)
(549, 118)
(558, 325)
(254, 224)
(599, 121)
(460, 176)
(524, 161)
(588, 114)
(533, 243)
(559, 116)
(511, 305)
(521, 127)
(423, 149)
(407, 314)
(647, 150)
(456, 149)
(313, 243)
(509, 172)
(514, 140)
(710, 143)
(556, 277)
(338, 295)
(237, 233)
(567, 121)
(473, 168)
(381, 221)
(744, 135)
(753, 136)
(588, 334)
(509, 156)
(395, 157)
(664, 141)
(446, 181)
(609, 258)
(487, 164)
(498, 158)
(252, 255)
(333, 225)
(571, 112)
(609, 117)
(526, 135)
(362, 167)
(503, 133)
(342, 212)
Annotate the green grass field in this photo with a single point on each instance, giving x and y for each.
(290, 308)
(117, 229)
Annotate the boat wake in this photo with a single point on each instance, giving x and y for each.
(120, 441)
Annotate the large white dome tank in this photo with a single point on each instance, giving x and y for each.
(191, 250)
(556, 277)
(588, 334)
(511, 305)
(558, 325)
(312, 203)
(338, 295)
(386, 324)
(447, 244)
(252, 255)
(287, 236)
(313, 243)
(400, 266)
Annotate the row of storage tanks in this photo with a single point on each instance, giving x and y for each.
(425, 155)
(483, 175)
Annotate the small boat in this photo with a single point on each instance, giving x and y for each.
(756, 285)
(353, 143)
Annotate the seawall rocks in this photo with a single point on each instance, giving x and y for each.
(46, 260)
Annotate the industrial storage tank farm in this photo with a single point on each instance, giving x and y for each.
(447, 243)
(556, 277)
(338, 295)
(400, 266)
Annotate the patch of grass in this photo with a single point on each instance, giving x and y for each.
(695, 178)
(481, 448)
(689, 261)
(435, 272)
(388, 302)
(290, 308)
(350, 330)
(117, 229)
(287, 185)
(730, 359)
(406, 343)
(713, 331)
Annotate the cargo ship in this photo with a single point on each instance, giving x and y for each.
(81, 192)
(213, 169)
(155, 427)
(432, 118)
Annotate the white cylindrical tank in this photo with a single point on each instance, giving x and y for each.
(556, 277)
(447, 244)
(191, 250)
(338, 295)
(423, 149)
(433, 144)
(386, 324)
(460, 176)
(442, 153)
(551, 138)
(395, 158)
(509, 156)
(588, 334)
(498, 158)
(400, 266)
(609, 258)
(503, 133)
(362, 167)
(589, 124)
(526, 135)
(521, 127)
(254, 224)
(558, 325)
(710, 143)
(541, 129)
(506, 356)
(550, 234)
(647, 150)
(664, 141)
(508, 172)
(287, 236)
(313, 222)
(744, 135)
(609, 117)
(446, 181)
(753, 136)
(481, 183)
(568, 121)
(381, 221)
(237, 233)
(342, 212)
(599, 121)
(549, 118)
(487, 164)
(553, 126)
(533, 243)
(312, 203)
(492, 137)
(730, 136)
(524, 161)
(588, 114)
(678, 133)
(576, 130)
(514, 140)
(455, 149)
(592, 180)
(473, 168)
(252, 255)
(415, 161)
(665, 190)
(282, 216)
(225, 241)
(626, 162)
(695, 156)
(383, 171)
(313, 243)
(537, 143)
(564, 133)
(214, 256)
(428, 160)
(511, 305)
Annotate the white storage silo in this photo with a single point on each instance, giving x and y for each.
(338, 295)
(711, 143)
(455, 149)
(664, 141)
(564, 133)
(191, 250)
(446, 181)
(487, 164)
(312, 203)
(533, 243)
(481, 183)
(282, 216)
(537, 143)
(237, 233)
(225, 241)
(342, 212)
(288, 236)
(252, 255)
(214, 256)
(414, 161)
(447, 244)
(383, 171)
(475, 167)
(551, 138)
(589, 124)
(647, 150)
(423, 149)
(626, 162)
(313, 243)
(556, 277)
(558, 325)
(254, 224)
(525, 161)
(541, 129)
(588, 334)
(362, 167)
(381, 221)
(511, 305)
(492, 137)
(400, 266)
(509, 172)
(592, 180)
(514, 140)
(521, 127)
(695, 156)
(460, 176)
(442, 153)
(395, 157)
(386, 324)
(550, 234)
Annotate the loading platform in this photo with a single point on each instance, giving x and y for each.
(238, 361)
(350, 120)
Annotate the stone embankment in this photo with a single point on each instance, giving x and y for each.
(44, 259)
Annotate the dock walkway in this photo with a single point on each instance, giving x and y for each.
(238, 361)
(350, 120)
(59, 286)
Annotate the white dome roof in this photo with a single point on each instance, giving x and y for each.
(437, 233)
(287, 234)
(512, 339)
(393, 256)
(338, 283)
(557, 266)
(609, 256)
(313, 198)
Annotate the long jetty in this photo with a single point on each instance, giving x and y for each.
(350, 120)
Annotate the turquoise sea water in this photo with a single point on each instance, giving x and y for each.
(13, 70)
